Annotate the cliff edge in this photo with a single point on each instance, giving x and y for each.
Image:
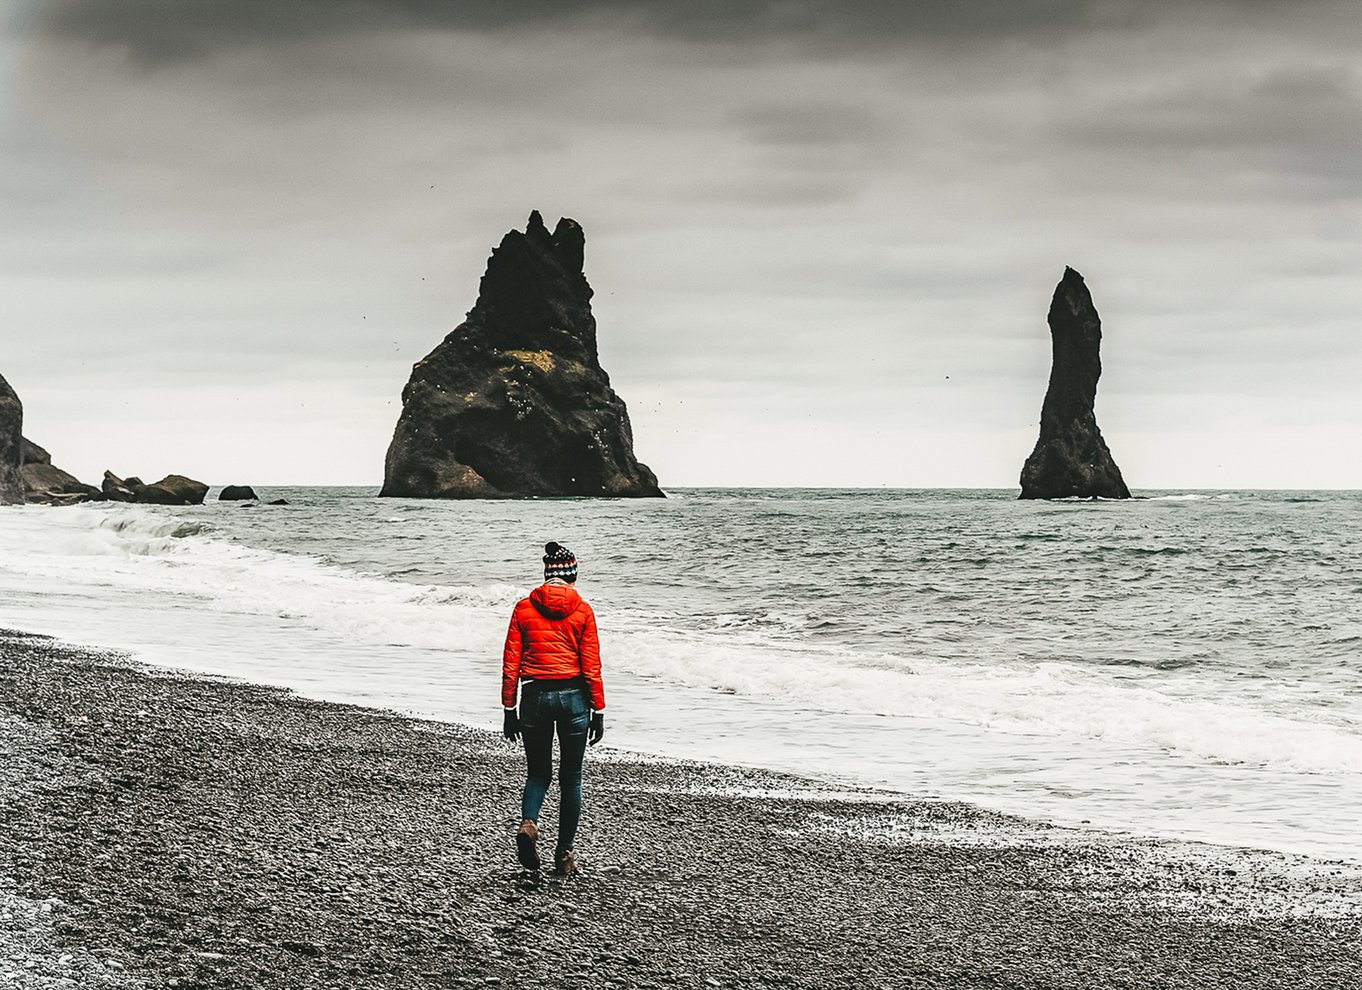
(11, 445)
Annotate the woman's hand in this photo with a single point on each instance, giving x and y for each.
(510, 725)
(597, 730)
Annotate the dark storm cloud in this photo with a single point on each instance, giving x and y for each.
(165, 31)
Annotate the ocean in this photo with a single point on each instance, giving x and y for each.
(1182, 665)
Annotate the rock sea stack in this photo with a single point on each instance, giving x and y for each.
(514, 402)
(1071, 460)
(231, 493)
(11, 445)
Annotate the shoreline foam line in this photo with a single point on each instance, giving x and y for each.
(840, 787)
(193, 832)
(841, 783)
(1153, 741)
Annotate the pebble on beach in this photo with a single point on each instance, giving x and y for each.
(158, 830)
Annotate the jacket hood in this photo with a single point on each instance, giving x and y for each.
(556, 601)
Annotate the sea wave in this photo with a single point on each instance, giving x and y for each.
(139, 553)
(1054, 699)
(149, 556)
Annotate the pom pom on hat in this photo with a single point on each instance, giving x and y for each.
(560, 563)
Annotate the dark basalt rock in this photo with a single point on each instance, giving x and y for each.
(231, 493)
(173, 489)
(33, 454)
(156, 495)
(11, 445)
(514, 402)
(115, 488)
(1071, 459)
(47, 484)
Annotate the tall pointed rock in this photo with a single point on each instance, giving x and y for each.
(1071, 458)
(514, 402)
(11, 445)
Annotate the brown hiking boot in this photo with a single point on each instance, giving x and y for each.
(525, 839)
(564, 862)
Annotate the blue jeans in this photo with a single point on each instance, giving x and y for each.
(542, 709)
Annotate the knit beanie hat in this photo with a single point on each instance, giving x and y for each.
(559, 563)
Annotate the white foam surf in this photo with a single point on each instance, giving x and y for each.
(139, 552)
(180, 587)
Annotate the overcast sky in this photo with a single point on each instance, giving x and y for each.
(823, 235)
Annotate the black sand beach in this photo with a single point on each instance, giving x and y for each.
(163, 831)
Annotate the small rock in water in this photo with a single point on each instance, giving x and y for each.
(233, 492)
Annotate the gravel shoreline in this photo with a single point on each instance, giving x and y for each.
(160, 830)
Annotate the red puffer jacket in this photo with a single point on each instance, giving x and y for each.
(552, 637)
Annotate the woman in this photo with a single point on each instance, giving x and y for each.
(553, 655)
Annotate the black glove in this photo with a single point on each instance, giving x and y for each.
(510, 725)
(597, 730)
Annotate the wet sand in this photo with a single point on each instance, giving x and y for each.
(161, 830)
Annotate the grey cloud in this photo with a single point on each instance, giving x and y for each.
(157, 32)
(766, 191)
(807, 153)
(1303, 120)
(300, 206)
(812, 124)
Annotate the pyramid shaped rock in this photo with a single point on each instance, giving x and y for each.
(1071, 459)
(514, 402)
(11, 445)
